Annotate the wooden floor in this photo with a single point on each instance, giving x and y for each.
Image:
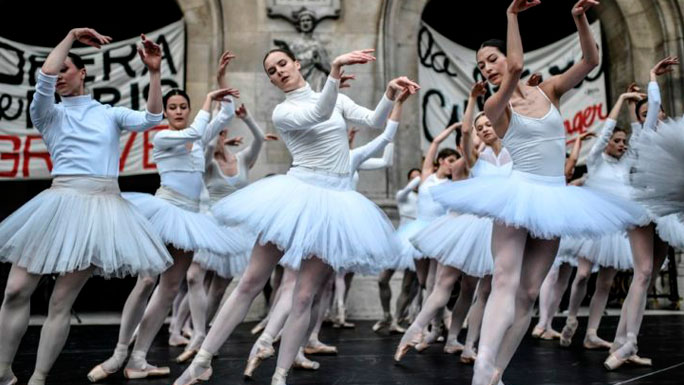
(366, 358)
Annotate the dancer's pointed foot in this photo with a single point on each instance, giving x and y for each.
(640, 361)
(138, 367)
(279, 377)
(568, 331)
(411, 338)
(315, 347)
(593, 342)
(192, 348)
(301, 362)
(468, 356)
(382, 324)
(395, 328)
(187, 331)
(430, 338)
(537, 331)
(199, 370)
(178, 340)
(258, 328)
(110, 366)
(549, 335)
(620, 356)
(261, 351)
(453, 346)
(8, 377)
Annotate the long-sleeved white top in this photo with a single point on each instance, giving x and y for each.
(180, 169)
(219, 185)
(313, 126)
(606, 172)
(407, 201)
(428, 208)
(81, 134)
(360, 157)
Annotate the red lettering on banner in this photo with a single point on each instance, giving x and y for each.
(40, 155)
(13, 156)
(148, 146)
(126, 150)
(584, 119)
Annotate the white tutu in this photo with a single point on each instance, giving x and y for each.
(178, 222)
(611, 250)
(308, 213)
(568, 250)
(405, 232)
(670, 229)
(460, 241)
(407, 252)
(228, 266)
(659, 170)
(82, 221)
(545, 206)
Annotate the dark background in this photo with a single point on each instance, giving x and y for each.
(46, 23)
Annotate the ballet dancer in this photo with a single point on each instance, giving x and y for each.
(92, 229)
(525, 235)
(173, 213)
(323, 223)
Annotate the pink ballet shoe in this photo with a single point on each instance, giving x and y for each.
(568, 332)
(320, 349)
(306, 364)
(146, 372)
(186, 355)
(595, 343)
(549, 335)
(468, 357)
(640, 361)
(178, 340)
(537, 332)
(453, 347)
(258, 328)
(254, 362)
(96, 374)
(620, 356)
(395, 328)
(204, 376)
(402, 349)
(382, 324)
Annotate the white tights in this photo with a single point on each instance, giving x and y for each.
(520, 265)
(552, 289)
(199, 300)
(14, 318)
(484, 287)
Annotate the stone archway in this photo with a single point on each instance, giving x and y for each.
(205, 40)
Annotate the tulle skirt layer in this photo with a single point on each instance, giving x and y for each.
(309, 213)
(545, 206)
(460, 241)
(405, 232)
(609, 251)
(82, 221)
(670, 228)
(177, 221)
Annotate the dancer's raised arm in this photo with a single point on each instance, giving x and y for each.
(429, 162)
(250, 154)
(558, 85)
(55, 60)
(469, 153)
(497, 105)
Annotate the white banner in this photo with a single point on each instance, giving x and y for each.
(116, 76)
(447, 71)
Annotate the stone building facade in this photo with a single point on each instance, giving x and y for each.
(637, 32)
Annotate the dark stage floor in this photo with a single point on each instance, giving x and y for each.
(366, 358)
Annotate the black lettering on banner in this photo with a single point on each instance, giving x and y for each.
(166, 55)
(114, 98)
(429, 59)
(108, 60)
(29, 97)
(426, 100)
(35, 62)
(18, 77)
(6, 102)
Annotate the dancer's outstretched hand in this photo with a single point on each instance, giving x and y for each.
(534, 80)
(233, 142)
(354, 57)
(344, 79)
(397, 85)
(633, 96)
(224, 62)
(90, 37)
(518, 6)
(582, 6)
(665, 66)
(150, 53)
(478, 89)
(222, 94)
(241, 112)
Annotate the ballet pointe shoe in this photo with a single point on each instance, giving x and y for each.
(468, 356)
(549, 335)
(319, 348)
(204, 376)
(403, 348)
(385, 322)
(97, 373)
(594, 342)
(279, 377)
(568, 332)
(640, 361)
(176, 340)
(255, 361)
(395, 328)
(301, 362)
(191, 349)
(258, 328)
(620, 356)
(453, 347)
(147, 372)
(186, 355)
(537, 332)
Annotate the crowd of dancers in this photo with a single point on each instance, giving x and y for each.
(498, 214)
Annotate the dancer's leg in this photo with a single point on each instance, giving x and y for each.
(577, 294)
(484, 287)
(312, 276)
(315, 346)
(340, 289)
(55, 330)
(408, 286)
(385, 298)
(508, 245)
(642, 243)
(198, 304)
(550, 297)
(459, 313)
(157, 309)
(14, 316)
(604, 281)
(217, 289)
